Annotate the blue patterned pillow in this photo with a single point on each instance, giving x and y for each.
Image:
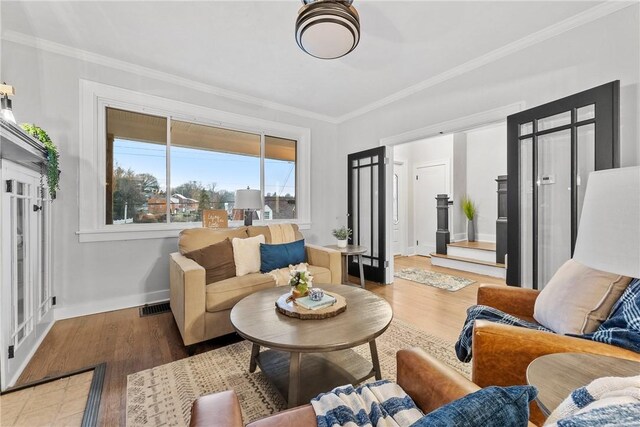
(489, 407)
(273, 257)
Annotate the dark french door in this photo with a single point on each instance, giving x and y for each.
(366, 210)
(551, 150)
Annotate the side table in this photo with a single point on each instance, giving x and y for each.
(557, 375)
(350, 250)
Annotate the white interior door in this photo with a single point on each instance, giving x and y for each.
(430, 180)
(400, 205)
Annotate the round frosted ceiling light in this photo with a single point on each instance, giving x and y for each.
(327, 29)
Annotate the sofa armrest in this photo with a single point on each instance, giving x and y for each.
(502, 353)
(428, 381)
(518, 302)
(187, 297)
(216, 410)
(327, 258)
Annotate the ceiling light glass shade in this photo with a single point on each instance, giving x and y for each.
(328, 29)
(5, 110)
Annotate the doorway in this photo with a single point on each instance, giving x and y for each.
(399, 212)
(551, 150)
(431, 179)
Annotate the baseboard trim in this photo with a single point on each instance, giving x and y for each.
(111, 304)
(27, 359)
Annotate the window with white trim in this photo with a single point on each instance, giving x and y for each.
(159, 168)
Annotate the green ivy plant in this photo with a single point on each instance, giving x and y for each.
(53, 175)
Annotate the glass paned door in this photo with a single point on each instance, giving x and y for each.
(26, 285)
(366, 210)
(551, 151)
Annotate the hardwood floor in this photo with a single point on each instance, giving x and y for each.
(129, 343)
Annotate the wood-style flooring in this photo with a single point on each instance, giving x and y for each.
(129, 343)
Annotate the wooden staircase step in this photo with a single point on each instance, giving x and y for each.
(483, 246)
(469, 260)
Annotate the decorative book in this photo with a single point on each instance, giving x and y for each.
(309, 304)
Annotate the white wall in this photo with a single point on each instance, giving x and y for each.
(595, 53)
(96, 276)
(414, 154)
(487, 158)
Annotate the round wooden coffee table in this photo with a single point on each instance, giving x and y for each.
(328, 360)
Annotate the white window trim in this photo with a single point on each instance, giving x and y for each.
(94, 97)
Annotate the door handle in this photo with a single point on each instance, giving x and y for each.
(37, 208)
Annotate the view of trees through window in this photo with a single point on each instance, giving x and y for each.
(207, 165)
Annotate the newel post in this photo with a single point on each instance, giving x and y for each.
(442, 234)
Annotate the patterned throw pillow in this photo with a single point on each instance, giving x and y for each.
(489, 407)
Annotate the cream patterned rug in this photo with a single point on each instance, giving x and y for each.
(431, 278)
(163, 395)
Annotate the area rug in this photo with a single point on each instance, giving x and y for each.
(71, 399)
(437, 280)
(163, 395)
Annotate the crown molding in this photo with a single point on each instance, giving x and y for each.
(106, 61)
(585, 17)
(546, 33)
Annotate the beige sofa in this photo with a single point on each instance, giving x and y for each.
(202, 309)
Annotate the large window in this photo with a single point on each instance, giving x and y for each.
(164, 170)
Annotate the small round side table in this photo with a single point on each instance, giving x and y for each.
(350, 250)
(557, 375)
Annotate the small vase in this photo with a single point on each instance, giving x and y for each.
(342, 243)
(471, 231)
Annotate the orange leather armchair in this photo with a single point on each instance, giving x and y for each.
(430, 384)
(502, 353)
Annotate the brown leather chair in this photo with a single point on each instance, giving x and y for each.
(430, 384)
(502, 353)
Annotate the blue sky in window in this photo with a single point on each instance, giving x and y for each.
(228, 171)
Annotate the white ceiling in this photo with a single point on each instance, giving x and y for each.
(249, 47)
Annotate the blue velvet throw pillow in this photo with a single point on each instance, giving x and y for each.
(489, 407)
(273, 257)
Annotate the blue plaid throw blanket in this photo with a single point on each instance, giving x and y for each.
(622, 327)
(379, 404)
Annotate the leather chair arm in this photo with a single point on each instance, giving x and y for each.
(502, 353)
(518, 302)
(301, 416)
(429, 382)
(216, 410)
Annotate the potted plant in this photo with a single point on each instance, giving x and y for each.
(53, 174)
(342, 234)
(469, 209)
(300, 282)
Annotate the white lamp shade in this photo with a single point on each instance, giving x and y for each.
(248, 199)
(609, 230)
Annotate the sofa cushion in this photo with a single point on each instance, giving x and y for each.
(578, 299)
(256, 230)
(273, 257)
(192, 239)
(223, 295)
(321, 275)
(488, 407)
(246, 254)
(217, 260)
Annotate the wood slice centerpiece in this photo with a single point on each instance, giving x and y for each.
(291, 309)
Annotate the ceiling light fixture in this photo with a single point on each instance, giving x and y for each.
(5, 109)
(327, 29)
